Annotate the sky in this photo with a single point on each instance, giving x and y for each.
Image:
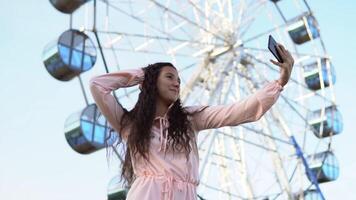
(36, 162)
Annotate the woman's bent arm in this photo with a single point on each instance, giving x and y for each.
(102, 86)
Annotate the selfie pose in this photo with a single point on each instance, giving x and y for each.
(162, 160)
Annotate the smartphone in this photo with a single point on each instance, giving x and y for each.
(272, 46)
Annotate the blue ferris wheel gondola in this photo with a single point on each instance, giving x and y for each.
(116, 190)
(310, 194)
(87, 131)
(67, 6)
(331, 122)
(304, 29)
(312, 74)
(325, 166)
(72, 54)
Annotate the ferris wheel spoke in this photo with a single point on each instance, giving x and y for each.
(138, 19)
(221, 155)
(240, 153)
(221, 163)
(276, 158)
(269, 31)
(156, 37)
(186, 19)
(215, 91)
(117, 49)
(236, 147)
(299, 56)
(150, 40)
(220, 190)
(237, 138)
(245, 22)
(197, 10)
(262, 133)
(204, 169)
(224, 171)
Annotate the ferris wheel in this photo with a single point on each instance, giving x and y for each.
(220, 49)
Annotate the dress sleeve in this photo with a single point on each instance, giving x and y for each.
(247, 110)
(101, 87)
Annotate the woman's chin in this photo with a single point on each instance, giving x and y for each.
(172, 100)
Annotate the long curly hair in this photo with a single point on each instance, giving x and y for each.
(140, 120)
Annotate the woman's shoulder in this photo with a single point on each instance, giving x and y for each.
(194, 109)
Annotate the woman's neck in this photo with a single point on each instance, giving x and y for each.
(161, 108)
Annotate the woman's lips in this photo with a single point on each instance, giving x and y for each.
(176, 91)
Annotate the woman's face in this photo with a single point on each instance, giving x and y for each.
(168, 85)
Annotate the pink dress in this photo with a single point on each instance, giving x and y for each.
(172, 176)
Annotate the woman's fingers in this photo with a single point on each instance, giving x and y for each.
(286, 66)
(288, 61)
(281, 50)
(276, 63)
(287, 57)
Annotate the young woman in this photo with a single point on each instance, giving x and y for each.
(161, 159)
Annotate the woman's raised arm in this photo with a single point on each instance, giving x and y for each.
(250, 109)
(247, 110)
(101, 87)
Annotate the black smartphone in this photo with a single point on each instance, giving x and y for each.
(272, 46)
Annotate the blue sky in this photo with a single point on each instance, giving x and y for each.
(35, 160)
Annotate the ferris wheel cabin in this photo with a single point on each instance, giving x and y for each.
(325, 166)
(67, 6)
(116, 191)
(326, 123)
(304, 29)
(87, 131)
(310, 194)
(312, 74)
(69, 56)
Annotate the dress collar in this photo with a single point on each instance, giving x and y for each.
(163, 130)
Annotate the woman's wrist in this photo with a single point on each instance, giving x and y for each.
(284, 78)
(283, 81)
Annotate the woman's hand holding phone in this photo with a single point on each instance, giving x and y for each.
(286, 66)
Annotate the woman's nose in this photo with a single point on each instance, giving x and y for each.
(176, 84)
